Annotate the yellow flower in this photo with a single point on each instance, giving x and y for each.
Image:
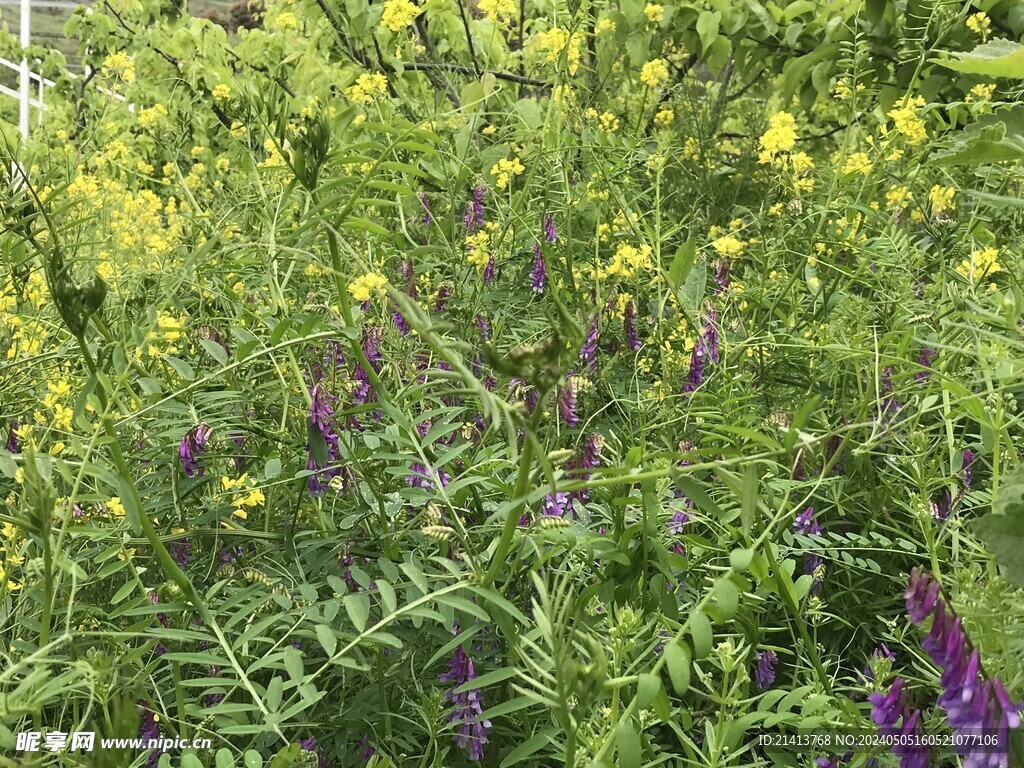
(119, 65)
(498, 10)
(654, 73)
(664, 118)
(941, 199)
(222, 92)
(504, 169)
(980, 264)
(898, 198)
(609, 123)
(556, 40)
(858, 162)
(981, 92)
(477, 252)
(399, 14)
(728, 245)
(908, 123)
(779, 139)
(115, 507)
(149, 117)
(980, 24)
(605, 25)
(362, 288)
(286, 21)
(654, 13)
(366, 87)
(628, 259)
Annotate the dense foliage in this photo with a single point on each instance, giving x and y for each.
(550, 383)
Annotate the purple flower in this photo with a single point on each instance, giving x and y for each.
(444, 291)
(539, 273)
(239, 458)
(925, 359)
(420, 477)
(679, 519)
(721, 275)
(920, 595)
(489, 270)
(371, 348)
(881, 652)
(887, 708)
(471, 730)
(764, 675)
(966, 465)
(629, 321)
(324, 423)
(705, 350)
(367, 749)
(149, 728)
(567, 403)
(483, 326)
(549, 228)
(886, 711)
(193, 443)
(588, 352)
(310, 745)
(554, 504)
(805, 523)
(427, 218)
(474, 218)
(12, 437)
(180, 551)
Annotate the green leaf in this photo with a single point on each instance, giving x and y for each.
(272, 468)
(677, 660)
(707, 28)
(727, 597)
(189, 760)
(224, 758)
(215, 350)
(627, 742)
(748, 501)
(996, 58)
(700, 631)
(1003, 534)
(647, 687)
(528, 747)
(691, 293)
(327, 638)
(682, 263)
(293, 663)
(274, 693)
(252, 759)
(358, 608)
(182, 368)
(739, 559)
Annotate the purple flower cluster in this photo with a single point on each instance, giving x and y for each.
(629, 322)
(588, 352)
(310, 745)
(371, 348)
(539, 273)
(474, 218)
(466, 711)
(554, 504)
(549, 229)
(192, 444)
(420, 477)
(12, 437)
(887, 709)
(925, 359)
(974, 703)
(568, 401)
(721, 275)
(806, 524)
(590, 458)
(425, 202)
(323, 420)
(705, 350)
(149, 729)
(764, 675)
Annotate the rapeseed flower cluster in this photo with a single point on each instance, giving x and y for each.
(399, 14)
(981, 263)
(500, 11)
(366, 286)
(627, 261)
(557, 40)
(778, 140)
(366, 88)
(907, 121)
(504, 170)
(654, 73)
(246, 493)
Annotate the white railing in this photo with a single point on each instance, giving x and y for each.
(24, 94)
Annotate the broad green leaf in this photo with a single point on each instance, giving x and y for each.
(677, 660)
(996, 58)
(682, 263)
(702, 634)
(327, 638)
(358, 608)
(627, 742)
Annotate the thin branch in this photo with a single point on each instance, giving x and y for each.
(512, 77)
